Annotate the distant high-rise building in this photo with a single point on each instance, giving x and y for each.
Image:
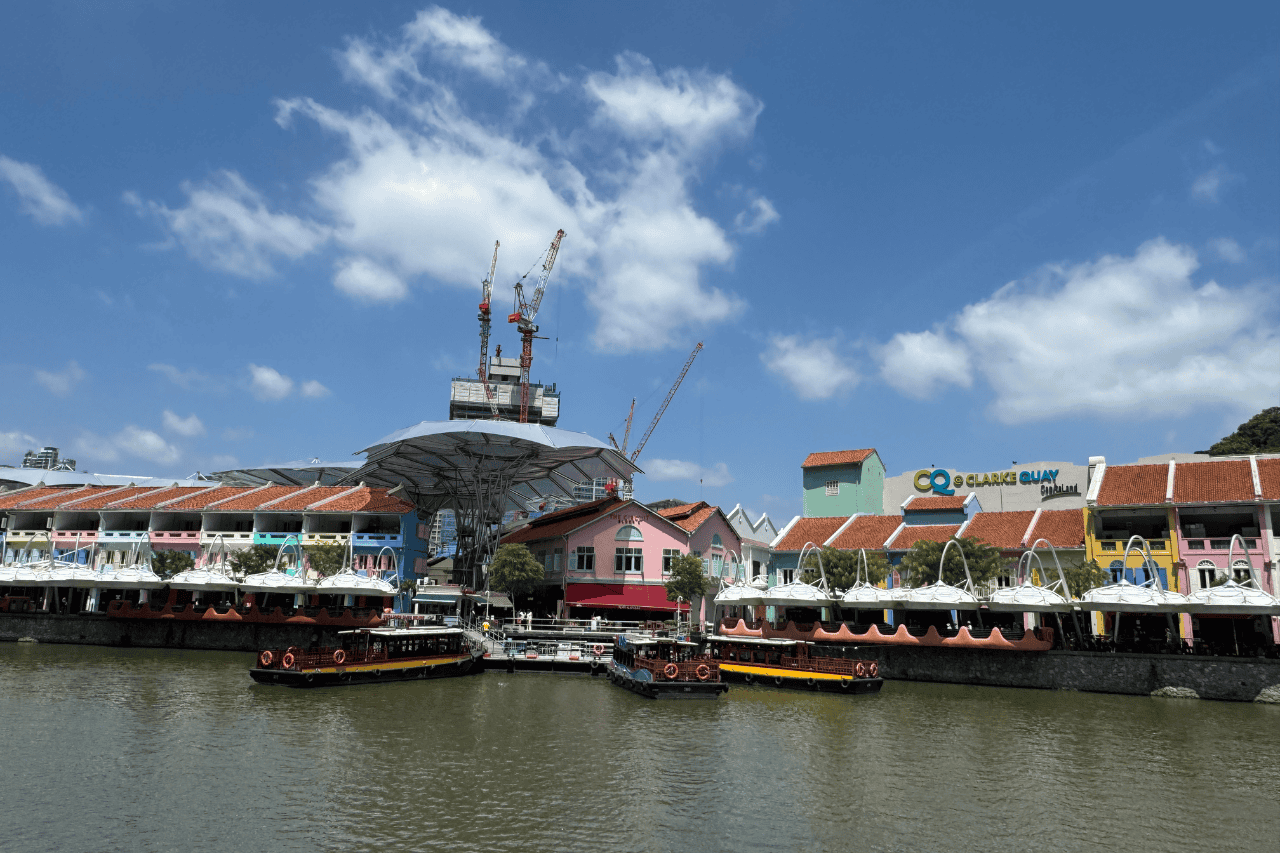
(468, 400)
(47, 458)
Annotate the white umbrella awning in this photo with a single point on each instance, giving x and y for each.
(128, 577)
(349, 583)
(1232, 598)
(796, 594)
(740, 595)
(69, 574)
(940, 596)
(22, 575)
(1027, 598)
(199, 580)
(865, 596)
(276, 582)
(1124, 597)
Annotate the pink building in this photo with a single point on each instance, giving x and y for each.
(612, 557)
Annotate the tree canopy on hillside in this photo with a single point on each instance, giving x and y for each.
(1259, 434)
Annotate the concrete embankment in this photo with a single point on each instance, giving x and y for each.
(1234, 679)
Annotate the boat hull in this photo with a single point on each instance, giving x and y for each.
(770, 676)
(371, 673)
(639, 683)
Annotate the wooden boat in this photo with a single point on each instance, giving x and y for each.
(665, 668)
(371, 655)
(791, 663)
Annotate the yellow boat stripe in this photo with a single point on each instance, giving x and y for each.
(773, 672)
(389, 665)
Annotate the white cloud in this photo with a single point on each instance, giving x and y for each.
(267, 383)
(63, 382)
(189, 426)
(759, 214)
(42, 200)
(676, 469)
(367, 281)
(917, 363)
(226, 225)
(1228, 250)
(448, 162)
(1208, 186)
(312, 388)
(1122, 336)
(813, 368)
(14, 443)
(223, 462)
(131, 441)
(188, 380)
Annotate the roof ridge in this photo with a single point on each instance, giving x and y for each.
(338, 496)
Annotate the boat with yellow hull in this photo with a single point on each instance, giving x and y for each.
(792, 664)
(370, 655)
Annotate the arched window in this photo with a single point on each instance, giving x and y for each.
(716, 542)
(629, 533)
(1208, 573)
(1240, 571)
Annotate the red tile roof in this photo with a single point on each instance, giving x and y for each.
(563, 521)
(199, 501)
(1064, 528)
(55, 500)
(106, 498)
(1134, 485)
(913, 533)
(867, 531)
(816, 530)
(1269, 477)
(1213, 482)
(1001, 529)
(937, 502)
(689, 516)
(836, 457)
(304, 497)
(12, 499)
(152, 498)
(366, 499)
(251, 501)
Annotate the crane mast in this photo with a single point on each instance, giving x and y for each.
(654, 423)
(486, 295)
(524, 315)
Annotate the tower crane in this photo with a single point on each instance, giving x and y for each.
(486, 294)
(654, 423)
(523, 317)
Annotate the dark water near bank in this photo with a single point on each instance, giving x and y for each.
(108, 749)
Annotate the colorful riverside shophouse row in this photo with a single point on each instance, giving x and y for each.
(612, 557)
(110, 522)
(1188, 513)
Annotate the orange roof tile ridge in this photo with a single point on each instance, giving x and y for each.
(338, 496)
(1026, 536)
(241, 495)
(140, 494)
(782, 534)
(967, 522)
(1168, 488)
(285, 496)
(16, 492)
(88, 496)
(1257, 480)
(893, 536)
(843, 527)
(181, 498)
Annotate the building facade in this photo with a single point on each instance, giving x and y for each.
(843, 482)
(1053, 485)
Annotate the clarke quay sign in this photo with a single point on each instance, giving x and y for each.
(942, 482)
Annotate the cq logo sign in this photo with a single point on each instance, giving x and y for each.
(937, 480)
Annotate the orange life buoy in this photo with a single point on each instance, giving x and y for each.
(265, 659)
(861, 669)
(873, 669)
(339, 657)
(287, 660)
(703, 672)
(597, 649)
(671, 670)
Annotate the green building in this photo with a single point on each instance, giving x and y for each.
(842, 482)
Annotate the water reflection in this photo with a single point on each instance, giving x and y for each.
(157, 750)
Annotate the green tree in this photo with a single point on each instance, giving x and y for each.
(169, 563)
(1082, 576)
(1259, 434)
(325, 558)
(920, 564)
(688, 581)
(515, 571)
(253, 560)
(842, 567)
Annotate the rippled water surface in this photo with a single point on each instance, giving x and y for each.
(109, 749)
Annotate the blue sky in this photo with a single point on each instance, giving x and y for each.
(239, 235)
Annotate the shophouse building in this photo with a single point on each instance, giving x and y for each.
(843, 482)
(755, 536)
(612, 557)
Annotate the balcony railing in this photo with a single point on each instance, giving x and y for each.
(1207, 544)
(391, 540)
(85, 536)
(1156, 545)
(208, 536)
(163, 536)
(272, 538)
(325, 538)
(108, 537)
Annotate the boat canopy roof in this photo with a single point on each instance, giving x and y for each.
(432, 631)
(759, 641)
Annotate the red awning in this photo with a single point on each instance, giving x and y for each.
(620, 596)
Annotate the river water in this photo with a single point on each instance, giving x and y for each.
(142, 750)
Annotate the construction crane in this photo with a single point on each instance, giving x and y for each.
(654, 423)
(626, 436)
(524, 315)
(486, 294)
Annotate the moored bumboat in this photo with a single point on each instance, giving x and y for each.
(371, 655)
(791, 663)
(665, 668)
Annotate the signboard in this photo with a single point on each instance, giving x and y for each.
(1017, 488)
